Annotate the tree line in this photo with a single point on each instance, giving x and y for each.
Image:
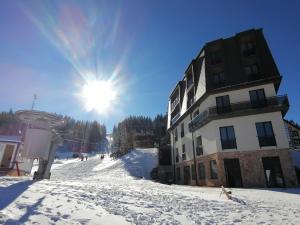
(137, 128)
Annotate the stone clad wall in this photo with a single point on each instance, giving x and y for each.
(252, 171)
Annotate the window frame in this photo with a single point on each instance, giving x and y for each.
(258, 101)
(248, 48)
(183, 153)
(226, 144)
(221, 102)
(199, 145)
(266, 141)
(217, 81)
(252, 73)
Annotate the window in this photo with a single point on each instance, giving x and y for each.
(178, 173)
(213, 169)
(190, 100)
(177, 155)
(176, 135)
(248, 48)
(196, 113)
(223, 104)
(201, 171)
(252, 72)
(265, 134)
(219, 80)
(258, 98)
(183, 153)
(227, 137)
(189, 81)
(199, 148)
(182, 130)
(193, 172)
(215, 57)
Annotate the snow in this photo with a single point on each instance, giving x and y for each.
(112, 192)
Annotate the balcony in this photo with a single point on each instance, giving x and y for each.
(175, 118)
(272, 104)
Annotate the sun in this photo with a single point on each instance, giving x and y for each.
(98, 95)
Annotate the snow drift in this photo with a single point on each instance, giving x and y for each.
(137, 163)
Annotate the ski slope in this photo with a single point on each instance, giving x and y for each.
(118, 192)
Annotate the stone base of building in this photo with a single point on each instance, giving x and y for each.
(259, 168)
(165, 174)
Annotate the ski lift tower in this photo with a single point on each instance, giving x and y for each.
(41, 139)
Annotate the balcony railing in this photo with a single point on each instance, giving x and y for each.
(239, 109)
(175, 118)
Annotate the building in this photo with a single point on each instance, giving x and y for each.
(9, 149)
(293, 131)
(226, 119)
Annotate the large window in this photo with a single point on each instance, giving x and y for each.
(223, 104)
(227, 137)
(213, 169)
(193, 172)
(190, 99)
(201, 171)
(182, 130)
(199, 148)
(248, 48)
(176, 135)
(183, 153)
(258, 98)
(219, 80)
(178, 173)
(265, 134)
(177, 155)
(252, 72)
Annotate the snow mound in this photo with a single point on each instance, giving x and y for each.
(137, 163)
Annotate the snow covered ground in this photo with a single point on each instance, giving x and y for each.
(111, 192)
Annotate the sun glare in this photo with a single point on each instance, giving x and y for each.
(98, 95)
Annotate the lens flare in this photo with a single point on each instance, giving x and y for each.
(99, 95)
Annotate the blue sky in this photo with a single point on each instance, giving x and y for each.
(48, 47)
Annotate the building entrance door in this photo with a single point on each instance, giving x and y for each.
(8, 152)
(187, 175)
(233, 173)
(273, 172)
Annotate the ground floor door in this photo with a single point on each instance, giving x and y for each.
(233, 173)
(273, 172)
(187, 175)
(7, 155)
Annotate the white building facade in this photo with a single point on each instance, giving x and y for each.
(225, 117)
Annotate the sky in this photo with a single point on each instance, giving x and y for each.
(51, 48)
